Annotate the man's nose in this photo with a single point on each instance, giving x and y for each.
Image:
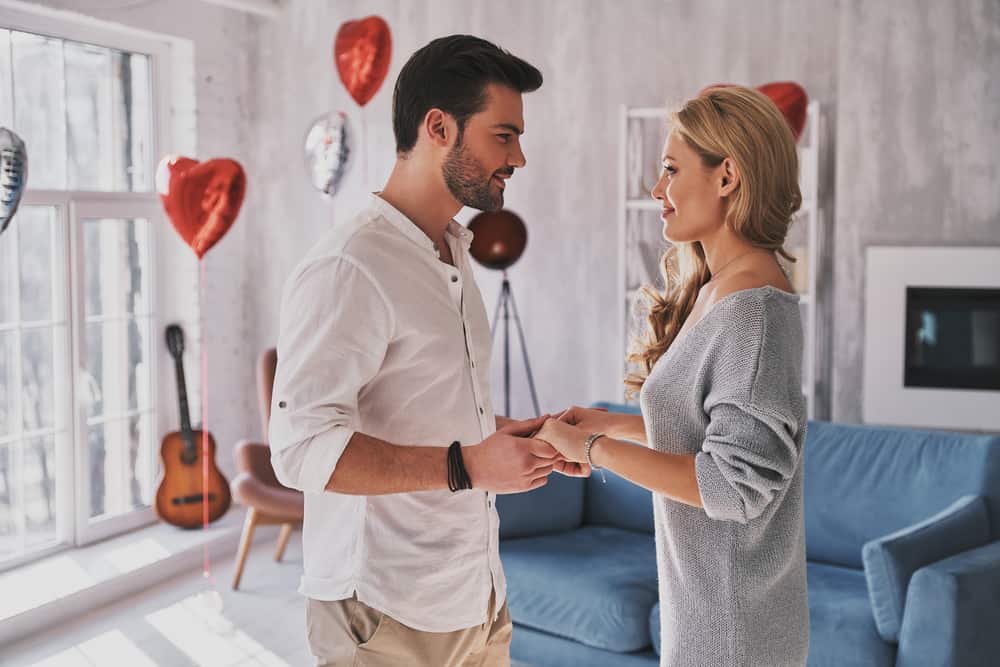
(517, 159)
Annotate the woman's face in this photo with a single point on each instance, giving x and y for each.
(693, 206)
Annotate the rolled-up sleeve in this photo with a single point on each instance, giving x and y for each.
(748, 456)
(334, 331)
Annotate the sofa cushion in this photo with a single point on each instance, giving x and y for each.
(616, 501)
(842, 630)
(555, 507)
(540, 649)
(890, 561)
(595, 585)
(863, 482)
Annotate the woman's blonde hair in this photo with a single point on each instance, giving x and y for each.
(745, 126)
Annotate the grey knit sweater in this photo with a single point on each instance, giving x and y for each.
(732, 574)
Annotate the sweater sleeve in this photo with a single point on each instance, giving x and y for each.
(748, 456)
(755, 407)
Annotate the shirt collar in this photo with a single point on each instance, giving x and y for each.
(411, 231)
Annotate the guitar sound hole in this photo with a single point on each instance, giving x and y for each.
(192, 499)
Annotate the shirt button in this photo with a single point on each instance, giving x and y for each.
(454, 279)
(480, 411)
(281, 404)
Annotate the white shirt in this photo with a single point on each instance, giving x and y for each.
(379, 336)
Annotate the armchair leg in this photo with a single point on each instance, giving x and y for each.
(241, 556)
(286, 532)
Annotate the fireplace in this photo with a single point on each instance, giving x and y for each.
(932, 337)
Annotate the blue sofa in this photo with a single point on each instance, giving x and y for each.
(902, 542)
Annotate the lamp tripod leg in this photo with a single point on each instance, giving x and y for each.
(524, 352)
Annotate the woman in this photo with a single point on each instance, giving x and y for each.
(723, 413)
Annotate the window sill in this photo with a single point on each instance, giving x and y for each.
(69, 583)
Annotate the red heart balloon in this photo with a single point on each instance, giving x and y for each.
(202, 199)
(788, 96)
(362, 51)
(791, 100)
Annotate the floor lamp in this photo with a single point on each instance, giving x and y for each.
(499, 240)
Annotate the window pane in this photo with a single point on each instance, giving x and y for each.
(116, 255)
(40, 490)
(89, 117)
(34, 231)
(10, 541)
(7, 384)
(27, 495)
(38, 382)
(118, 367)
(8, 279)
(133, 148)
(120, 465)
(39, 106)
(6, 107)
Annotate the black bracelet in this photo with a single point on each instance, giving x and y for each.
(458, 476)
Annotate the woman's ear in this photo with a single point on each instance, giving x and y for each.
(730, 178)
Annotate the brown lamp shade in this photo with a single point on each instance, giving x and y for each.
(500, 238)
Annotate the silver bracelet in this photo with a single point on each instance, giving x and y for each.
(586, 454)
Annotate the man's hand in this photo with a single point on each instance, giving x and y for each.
(508, 462)
(571, 469)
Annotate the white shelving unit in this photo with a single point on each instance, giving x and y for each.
(640, 242)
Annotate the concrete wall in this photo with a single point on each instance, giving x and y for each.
(918, 134)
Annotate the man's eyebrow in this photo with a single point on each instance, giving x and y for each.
(509, 126)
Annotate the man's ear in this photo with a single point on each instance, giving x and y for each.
(439, 127)
(730, 178)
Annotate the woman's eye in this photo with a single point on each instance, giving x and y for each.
(670, 171)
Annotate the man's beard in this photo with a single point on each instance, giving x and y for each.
(469, 183)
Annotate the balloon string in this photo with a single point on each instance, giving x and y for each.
(206, 567)
(364, 146)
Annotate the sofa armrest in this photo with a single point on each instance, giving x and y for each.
(890, 561)
(952, 616)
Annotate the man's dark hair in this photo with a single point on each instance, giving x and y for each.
(451, 74)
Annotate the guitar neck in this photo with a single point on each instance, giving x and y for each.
(182, 399)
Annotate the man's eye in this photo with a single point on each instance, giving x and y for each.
(504, 137)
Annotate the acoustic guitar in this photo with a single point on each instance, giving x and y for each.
(191, 490)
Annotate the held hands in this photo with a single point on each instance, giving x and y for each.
(568, 440)
(510, 461)
(593, 420)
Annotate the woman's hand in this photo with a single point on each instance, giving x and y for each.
(598, 420)
(567, 439)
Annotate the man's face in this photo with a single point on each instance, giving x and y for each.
(488, 150)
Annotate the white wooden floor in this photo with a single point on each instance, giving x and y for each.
(185, 622)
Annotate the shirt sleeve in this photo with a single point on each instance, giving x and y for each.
(335, 329)
(749, 455)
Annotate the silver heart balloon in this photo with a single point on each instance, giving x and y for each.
(328, 150)
(13, 175)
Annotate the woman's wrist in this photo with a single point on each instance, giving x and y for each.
(600, 451)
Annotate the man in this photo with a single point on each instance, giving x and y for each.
(383, 363)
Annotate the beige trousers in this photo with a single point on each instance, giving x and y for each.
(349, 633)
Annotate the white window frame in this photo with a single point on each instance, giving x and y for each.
(173, 131)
